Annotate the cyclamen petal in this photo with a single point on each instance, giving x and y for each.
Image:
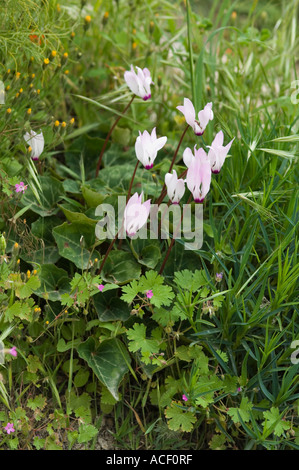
(139, 83)
(147, 146)
(36, 142)
(218, 152)
(175, 187)
(199, 176)
(204, 116)
(136, 214)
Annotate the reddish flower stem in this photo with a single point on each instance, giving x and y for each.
(109, 134)
(107, 253)
(132, 180)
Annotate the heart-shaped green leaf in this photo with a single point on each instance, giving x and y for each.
(109, 361)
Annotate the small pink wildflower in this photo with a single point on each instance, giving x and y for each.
(9, 428)
(219, 277)
(185, 398)
(20, 187)
(13, 351)
(149, 294)
(101, 287)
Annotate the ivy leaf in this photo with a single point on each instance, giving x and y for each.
(179, 420)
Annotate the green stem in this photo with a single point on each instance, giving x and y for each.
(188, 8)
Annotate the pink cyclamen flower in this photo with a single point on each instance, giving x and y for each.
(175, 187)
(101, 287)
(9, 428)
(149, 294)
(204, 116)
(13, 351)
(147, 146)
(139, 83)
(20, 187)
(136, 214)
(36, 142)
(199, 173)
(218, 152)
(185, 398)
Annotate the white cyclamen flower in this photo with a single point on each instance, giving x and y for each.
(36, 142)
(139, 83)
(136, 214)
(218, 152)
(204, 116)
(175, 187)
(147, 146)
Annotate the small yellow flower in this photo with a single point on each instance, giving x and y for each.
(58, 8)
(72, 121)
(65, 55)
(66, 72)
(38, 91)
(65, 311)
(18, 75)
(18, 261)
(53, 53)
(87, 18)
(16, 245)
(32, 58)
(34, 271)
(46, 61)
(56, 123)
(234, 15)
(21, 90)
(8, 110)
(106, 14)
(73, 34)
(8, 70)
(8, 87)
(134, 31)
(29, 149)
(29, 111)
(17, 95)
(63, 124)
(47, 322)
(96, 260)
(31, 85)
(32, 75)
(134, 45)
(28, 274)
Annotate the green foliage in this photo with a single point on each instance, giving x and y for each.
(179, 359)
